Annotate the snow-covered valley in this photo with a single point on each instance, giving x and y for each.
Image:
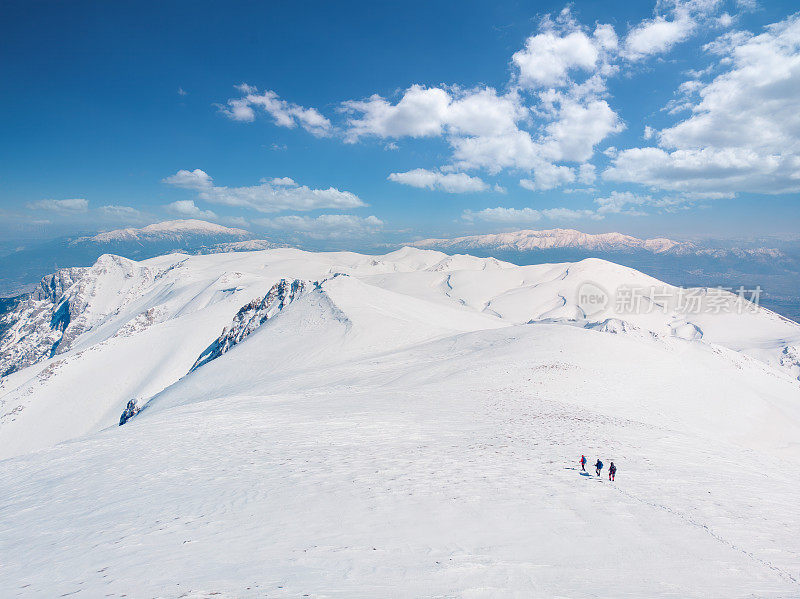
(407, 425)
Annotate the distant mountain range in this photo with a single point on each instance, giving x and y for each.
(23, 269)
(775, 271)
(553, 239)
(678, 262)
(171, 231)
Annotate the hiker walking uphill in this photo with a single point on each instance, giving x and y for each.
(612, 471)
(583, 463)
(598, 466)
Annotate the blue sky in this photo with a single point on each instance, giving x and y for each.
(387, 121)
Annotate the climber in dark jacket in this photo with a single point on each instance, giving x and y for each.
(598, 466)
(612, 471)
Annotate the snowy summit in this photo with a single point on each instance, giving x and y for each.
(172, 230)
(344, 425)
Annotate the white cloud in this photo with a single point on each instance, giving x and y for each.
(656, 35)
(514, 149)
(325, 226)
(421, 112)
(71, 205)
(548, 176)
(189, 208)
(235, 221)
(284, 114)
(283, 182)
(571, 129)
(587, 174)
(120, 212)
(727, 42)
(265, 197)
(744, 131)
(662, 32)
(503, 215)
(196, 179)
(431, 112)
(570, 214)
(618, 202)
(578, 128)
(548, 125)
(522, 216)
(560, 47)
(449, 182)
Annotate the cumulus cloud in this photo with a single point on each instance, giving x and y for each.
(325, 226)
(283, 113)
(560, 47)
(72, 205)
(189, 209)
(419, 113)
(548, 176)
(196, 179)
(743, 134)
(486, 129)
(268, 196)
(449, 182)
(548, 124)
(431, 112)
(578, 128)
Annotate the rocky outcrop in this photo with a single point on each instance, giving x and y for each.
(129, 412)
(251, 316)
(35, 328)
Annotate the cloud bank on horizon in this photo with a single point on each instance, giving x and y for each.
(731, 127)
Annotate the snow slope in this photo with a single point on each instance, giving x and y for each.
(405, 425)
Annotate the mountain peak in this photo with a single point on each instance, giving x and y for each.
(170, 229)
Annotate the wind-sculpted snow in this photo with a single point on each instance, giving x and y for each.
(621, 327)
(251, 316)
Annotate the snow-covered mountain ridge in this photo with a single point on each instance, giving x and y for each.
(20, 271)
(531, 240)
(118, 305)
(345, 425)
(171, 230)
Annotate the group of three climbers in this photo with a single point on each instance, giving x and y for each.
(612, 469)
